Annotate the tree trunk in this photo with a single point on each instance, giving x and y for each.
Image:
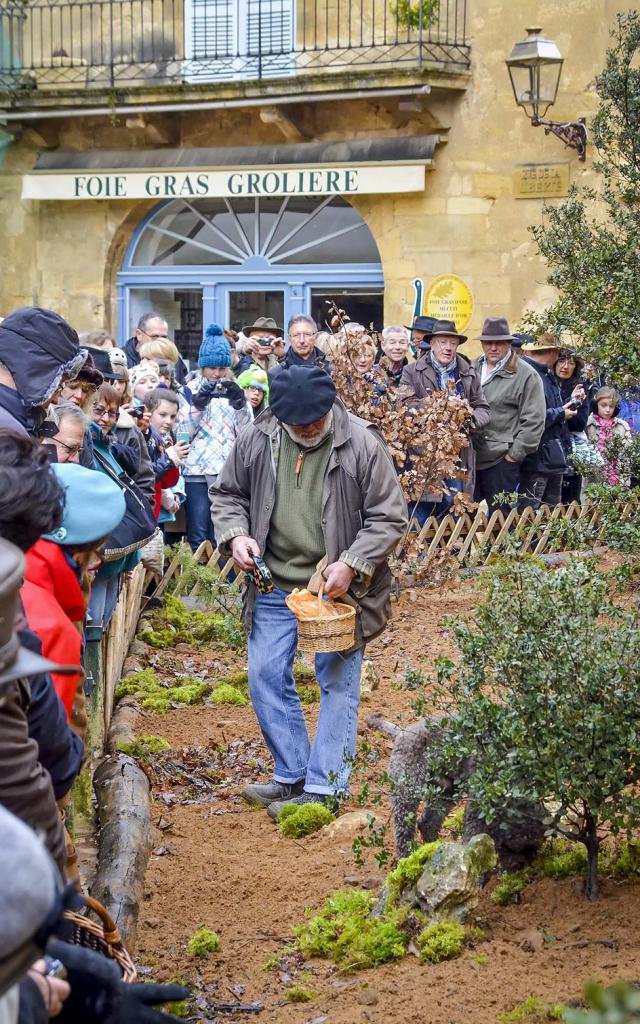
(122, 728)
(126, 838)
(592, 843)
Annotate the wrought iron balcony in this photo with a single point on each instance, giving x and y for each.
(128, 44)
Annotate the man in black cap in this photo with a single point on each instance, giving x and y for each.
(38, 351)
(421, 331)
(307, 483)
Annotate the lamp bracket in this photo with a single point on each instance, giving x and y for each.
(572, 133)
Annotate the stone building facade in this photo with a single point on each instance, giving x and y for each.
(218, 187)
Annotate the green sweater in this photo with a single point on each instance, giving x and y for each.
(295, 542)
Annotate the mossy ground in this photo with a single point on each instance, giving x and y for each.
(408, 871)
(299, 994)
(203, 942)
(441, 941)
(344, 931)
(224, 693)
(532, 1010)
(143, 746)
(175, 623)
(297, 821)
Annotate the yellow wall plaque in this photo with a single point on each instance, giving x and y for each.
(541, 181)
(450, 298)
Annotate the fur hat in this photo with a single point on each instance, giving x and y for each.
(299, 395)
(145, 368)
(84, 488)
(215, 350)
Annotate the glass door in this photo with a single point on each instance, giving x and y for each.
(243, 306)
(181, 308)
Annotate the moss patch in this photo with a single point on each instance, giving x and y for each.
(298, 994)
(532, 1010)
(175, 623)
(344, 932)
(143, 746)
(137, 683)
(301, 820)
(309, 694)
(408, 871)
(203, 942)
(441, 941)
(225, 693)
(509, 888)
(454, 824)
(560, 858)
(180, 1008)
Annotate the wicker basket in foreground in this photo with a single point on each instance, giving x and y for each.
(321, 636)
(102, 938)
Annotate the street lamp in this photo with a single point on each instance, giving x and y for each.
(535, 66)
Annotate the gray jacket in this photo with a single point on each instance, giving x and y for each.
(364, 513)
(516, 398)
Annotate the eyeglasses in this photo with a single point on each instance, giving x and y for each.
(72, 449)
(156, 337)
(100, 412)
(298, 337)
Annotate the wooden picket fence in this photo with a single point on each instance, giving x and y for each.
(474, 540)
(471, 540)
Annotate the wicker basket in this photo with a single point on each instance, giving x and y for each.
(101, 938)
(321, 636)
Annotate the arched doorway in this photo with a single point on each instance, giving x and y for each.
(229, 261)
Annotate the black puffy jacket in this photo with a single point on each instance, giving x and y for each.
(551, 456)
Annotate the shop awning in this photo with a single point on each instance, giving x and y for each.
(358, 167)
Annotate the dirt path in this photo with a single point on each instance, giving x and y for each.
(227, 867)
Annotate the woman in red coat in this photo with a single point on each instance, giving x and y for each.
(59, 568)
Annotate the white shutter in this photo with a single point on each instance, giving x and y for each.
(227, 40)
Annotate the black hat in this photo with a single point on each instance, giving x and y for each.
(422, 323)
(17, 662)
(102, 361)
(520, 339)
(90, 371)
(299, 395)
(495, 328)
(446, 327)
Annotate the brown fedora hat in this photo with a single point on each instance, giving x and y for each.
(495, 328)
(544, 343)
(263, 323)
(448, 327)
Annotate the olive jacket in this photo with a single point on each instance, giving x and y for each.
(516, 398)
(419, 379)
(364, 512)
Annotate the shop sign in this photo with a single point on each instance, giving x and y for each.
(450, 298)
(541, 181)
(273, 181)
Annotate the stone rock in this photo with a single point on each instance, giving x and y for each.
(448, 886)
(367, 997)
(144, 624)
(346, 824)
(138, 648)
(131, 665)
(533, 941)
(369, 678)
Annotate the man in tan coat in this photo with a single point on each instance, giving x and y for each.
(306, 480)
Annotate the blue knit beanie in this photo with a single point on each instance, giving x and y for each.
(215, 349)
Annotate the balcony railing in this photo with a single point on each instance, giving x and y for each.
(122, 44)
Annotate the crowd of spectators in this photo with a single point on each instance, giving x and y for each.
(105, 451)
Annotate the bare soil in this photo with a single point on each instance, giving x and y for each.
(220, 864)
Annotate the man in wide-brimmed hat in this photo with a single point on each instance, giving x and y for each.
(515, 395)
(420, 331)
(441, 368)
(263, 345)
(308, 483)
(542, 471)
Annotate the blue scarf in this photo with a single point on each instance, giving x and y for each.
(444, 374)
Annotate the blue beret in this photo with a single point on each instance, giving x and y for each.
(300, 395)
(93, 505)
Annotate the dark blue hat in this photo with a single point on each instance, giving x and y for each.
(40, 350)
(215, 350)
(300, 395)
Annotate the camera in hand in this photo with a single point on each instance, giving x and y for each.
(575, 403)
(265, 342)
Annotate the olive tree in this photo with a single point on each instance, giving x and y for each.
(545, 700)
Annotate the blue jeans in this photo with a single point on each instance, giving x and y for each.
(324, 765)
(198, 513)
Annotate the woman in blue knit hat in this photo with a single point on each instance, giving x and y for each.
(218, 411)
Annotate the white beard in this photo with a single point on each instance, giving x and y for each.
(310, 440)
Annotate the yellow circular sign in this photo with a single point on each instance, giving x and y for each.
(450, 298)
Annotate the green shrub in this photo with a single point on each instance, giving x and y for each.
(509, 888)
(441, 941)
(617, 1004)
(301, 820)
(532, 1010)
(224, 693)
(408, 871)
(298, 994)
(309, 694)
(623, 861)
(344, 932)
(142, 746)
(204, 941)
(455, 822)
(559, 858)
(408, 15)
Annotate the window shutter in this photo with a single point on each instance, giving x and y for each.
(227, 40)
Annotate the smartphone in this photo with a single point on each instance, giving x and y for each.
(182, 437)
